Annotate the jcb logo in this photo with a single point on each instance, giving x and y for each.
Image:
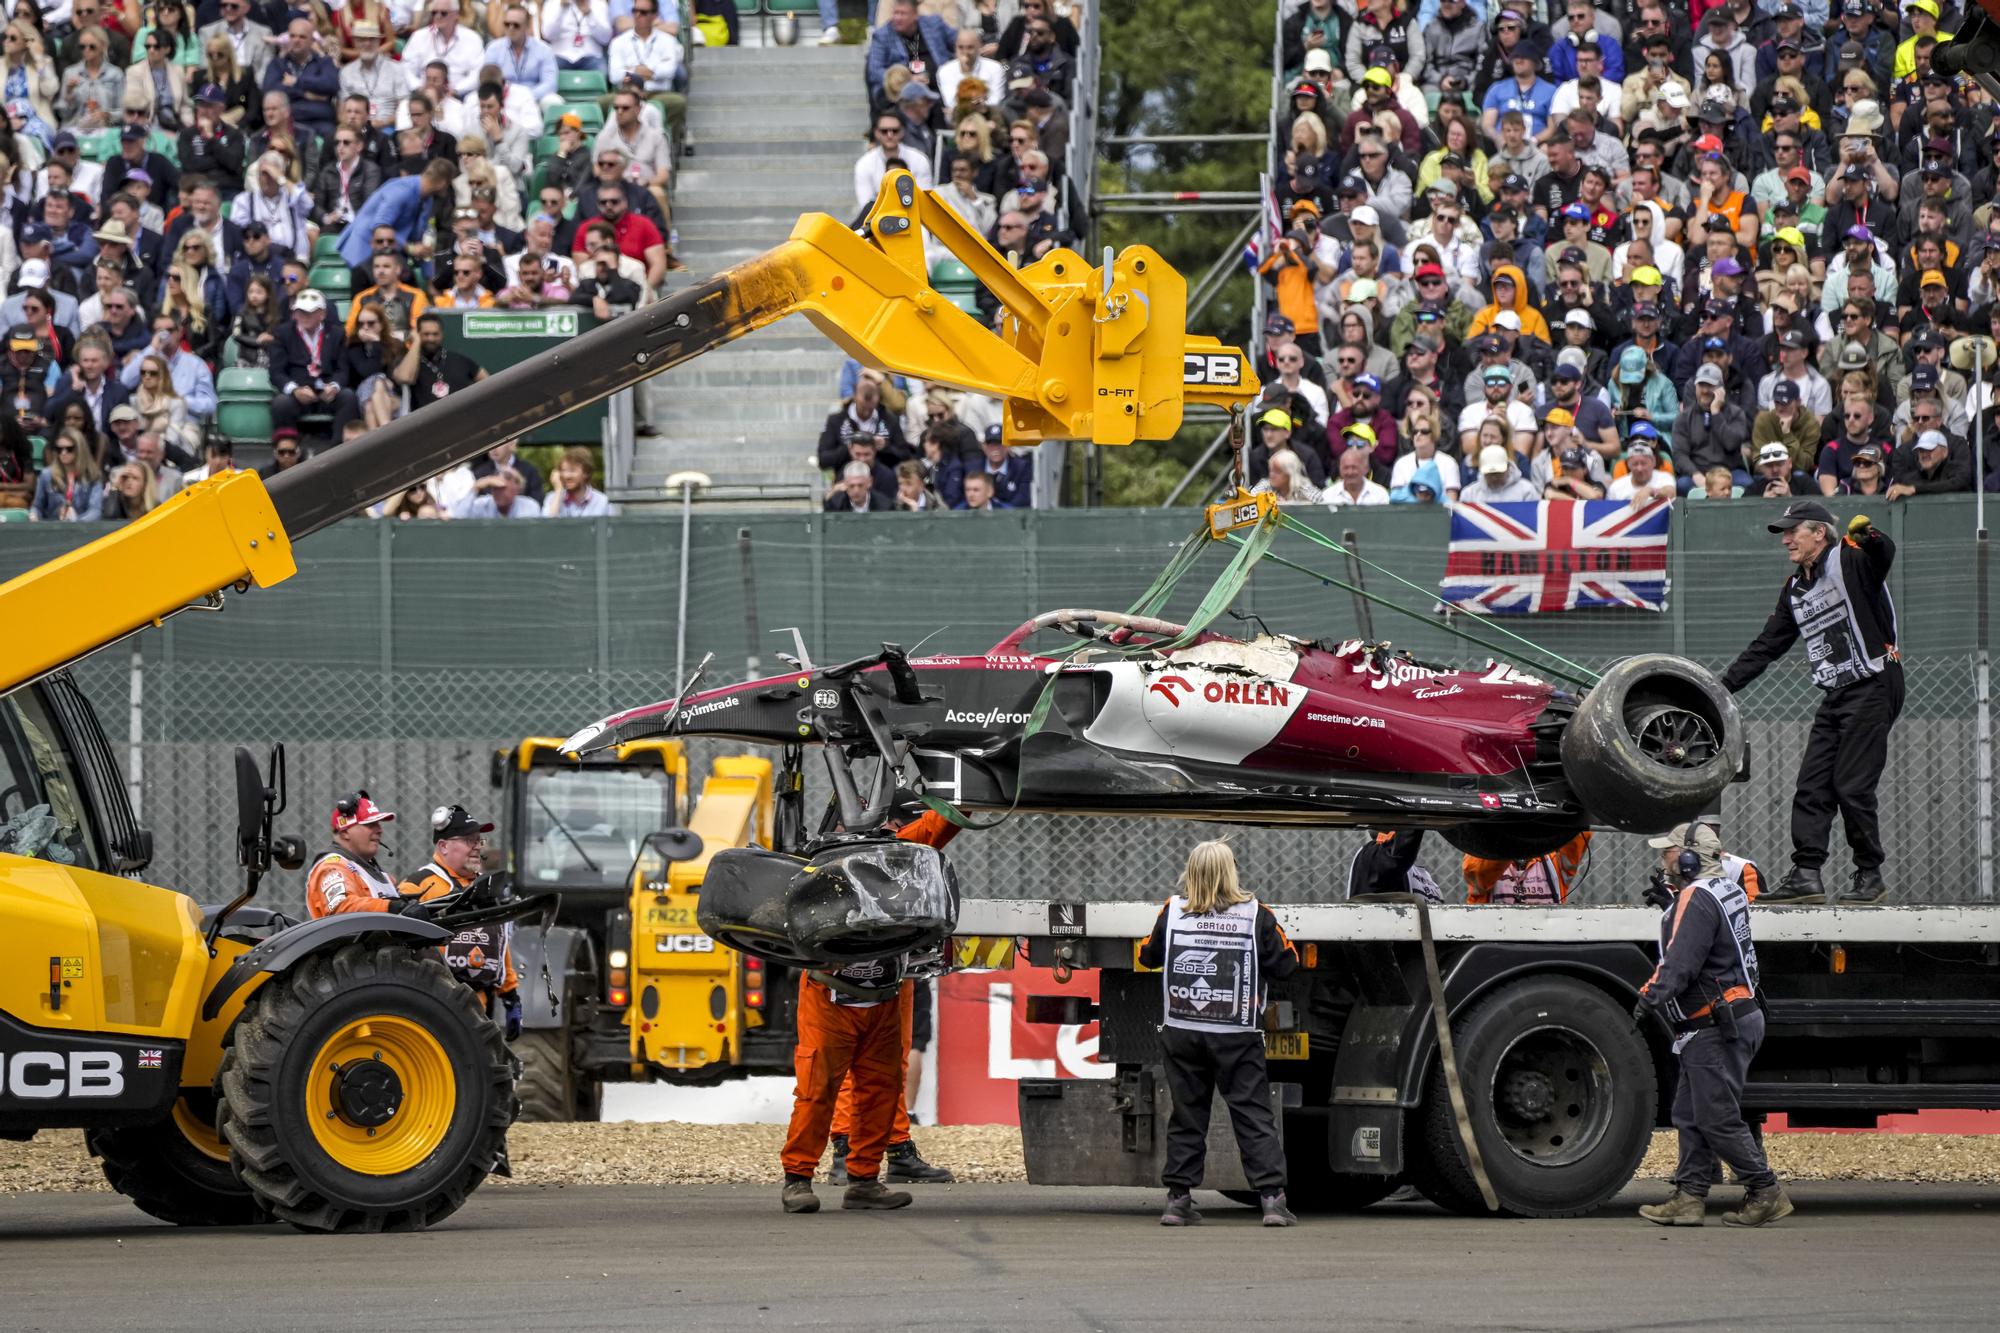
(683, 944)
(48, 1075)
(1211, 368)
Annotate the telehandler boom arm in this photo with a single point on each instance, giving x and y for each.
(1084, 353)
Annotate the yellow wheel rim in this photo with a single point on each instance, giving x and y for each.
(382, 1140)
(199, 1133)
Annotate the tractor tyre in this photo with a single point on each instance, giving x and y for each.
(365, 1090)
(177, 1169)
(553, 1090)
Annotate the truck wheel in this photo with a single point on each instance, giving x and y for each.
(364, 1090)
(1561, 1091)
(552, 1088)
(1514, 839)
(177, 1169)
(1653, 744)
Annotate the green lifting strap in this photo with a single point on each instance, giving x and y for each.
(1584, 681)
(1584, 675)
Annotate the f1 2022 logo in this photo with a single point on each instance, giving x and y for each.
(1219, 368)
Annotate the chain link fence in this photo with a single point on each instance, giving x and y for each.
(404, 655)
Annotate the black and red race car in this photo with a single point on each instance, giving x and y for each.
(1268, 729)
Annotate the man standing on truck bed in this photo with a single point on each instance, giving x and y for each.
(1838, 601)
(1705, 989)
(845, 1029)
(1218, 946)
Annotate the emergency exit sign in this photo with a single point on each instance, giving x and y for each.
(519, 324)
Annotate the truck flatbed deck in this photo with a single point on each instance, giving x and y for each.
(1393, 923)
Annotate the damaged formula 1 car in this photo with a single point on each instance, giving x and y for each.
(1144, 718)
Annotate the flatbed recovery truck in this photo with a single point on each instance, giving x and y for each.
(1872, 1011)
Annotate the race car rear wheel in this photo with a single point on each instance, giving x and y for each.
(1653, 744)
(364, 1090)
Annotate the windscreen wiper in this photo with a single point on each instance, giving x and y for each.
(563, 829)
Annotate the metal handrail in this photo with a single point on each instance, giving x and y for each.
(1080, 158)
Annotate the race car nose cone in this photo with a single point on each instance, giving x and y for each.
(585, 741)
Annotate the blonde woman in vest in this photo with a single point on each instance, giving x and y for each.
(1218, 949)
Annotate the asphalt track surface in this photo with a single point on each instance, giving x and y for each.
(1007, 1257)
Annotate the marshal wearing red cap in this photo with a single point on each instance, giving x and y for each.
(347, 878)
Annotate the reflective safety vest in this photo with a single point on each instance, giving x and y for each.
(476, 955)
(1211, 981)
(1836, 650)
(1734, 975)
(342, 882)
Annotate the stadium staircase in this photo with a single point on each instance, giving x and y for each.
(776, 130)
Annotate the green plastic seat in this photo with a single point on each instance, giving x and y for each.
(327, 246)
(15, 515)
(333, 279)
(244, 422)
(98, 145)
(576, 84)
(546, 147)
(590, 113)
(243, 384)
(791, 6)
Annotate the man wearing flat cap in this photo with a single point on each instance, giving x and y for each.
(1837, 600)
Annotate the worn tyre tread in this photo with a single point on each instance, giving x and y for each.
(251, 1063)
(148, 1164)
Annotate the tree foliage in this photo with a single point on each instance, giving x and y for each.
(1182, 67)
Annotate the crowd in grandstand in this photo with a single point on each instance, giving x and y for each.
(1530, 249)
(245, 194)
(981, 112)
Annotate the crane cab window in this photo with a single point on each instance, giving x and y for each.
(585, 826)
(41, 802)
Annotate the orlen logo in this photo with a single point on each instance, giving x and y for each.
(683, 944)
(47, 1075)
(1257, 694)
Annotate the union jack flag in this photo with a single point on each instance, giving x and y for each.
(1269, 231)
(150, 1059)
(1557, 555)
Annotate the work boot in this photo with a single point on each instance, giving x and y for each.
(1180, 1211)
(1868, 886)
(837, 1173)
(1801, 887)
(1679, 1209)
(865, 1194)
(798, 1196)
(1761, 1207)
(905, 1167)
(1276, 1214)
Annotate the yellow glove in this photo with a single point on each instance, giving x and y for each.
(1857, 525)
